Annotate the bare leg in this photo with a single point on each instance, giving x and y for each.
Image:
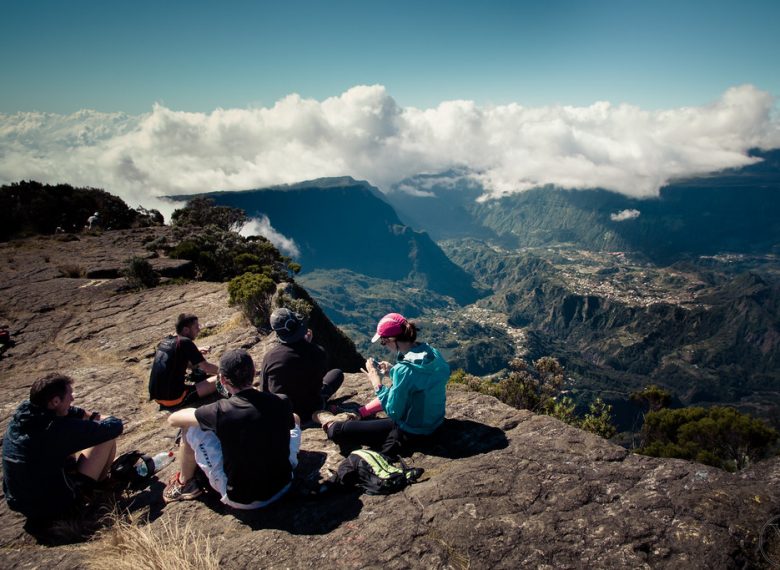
(206, 387)
(95, 462)
(186, 459)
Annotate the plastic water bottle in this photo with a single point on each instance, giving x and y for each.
(161, 460)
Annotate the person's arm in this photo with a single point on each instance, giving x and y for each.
(76, 412)
(291, 417)
(208, 367)
(183, 418)
(73, 434)
(395, 398)
(195, 358)
(82, 414)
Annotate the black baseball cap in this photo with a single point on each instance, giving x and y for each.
(288, 325)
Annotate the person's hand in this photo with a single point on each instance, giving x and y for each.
(205, 350)
(309, 335)
(373, 374)
(384, 366)
(92, 416)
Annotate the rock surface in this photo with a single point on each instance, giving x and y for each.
(502, 488)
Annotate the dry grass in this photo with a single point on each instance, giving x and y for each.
(236, 321)
(71, 270)
(169, 545)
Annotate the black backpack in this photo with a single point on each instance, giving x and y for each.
(124, 474)
(374, 473)
(163, 368)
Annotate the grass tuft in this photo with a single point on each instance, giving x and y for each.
(71, 270)
(170, 545)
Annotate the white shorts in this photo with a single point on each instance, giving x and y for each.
(208, 456)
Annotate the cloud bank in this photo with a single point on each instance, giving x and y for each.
(624, 215)
(262, 227)
(364, 133)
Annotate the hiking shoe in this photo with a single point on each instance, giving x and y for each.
(178, 491)
(324, 417)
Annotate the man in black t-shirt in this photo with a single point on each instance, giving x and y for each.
(296, 367)
(174, 355)
(247, 444)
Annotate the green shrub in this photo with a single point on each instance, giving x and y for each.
(153, 244)
(203, 212)
(562, 408)
(221, 255)
(29, 207)
(598, 420)
(300, 306)
(139, 273)
(252, 292)
(718, 436)
(653, 397)
(538, 388)
(185, 249)
(294, 267)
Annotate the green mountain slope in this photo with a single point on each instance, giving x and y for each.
(345, 224)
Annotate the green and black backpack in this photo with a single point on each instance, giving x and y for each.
(375, 473)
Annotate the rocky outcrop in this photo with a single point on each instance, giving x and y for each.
(502, 488)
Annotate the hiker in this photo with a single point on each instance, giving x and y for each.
(297, 367)
(414, 400)
(174, 355)
(51, 448)
(247, 444)
(93, 221)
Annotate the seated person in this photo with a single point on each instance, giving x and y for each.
(49, 444)
(297, 367)
(414, 401)
(174, 355)
(246, 444)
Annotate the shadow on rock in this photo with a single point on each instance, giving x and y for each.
(149, 499)
(457, 439)
(306, 514)
(310, 507)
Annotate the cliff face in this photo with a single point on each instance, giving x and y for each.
(502, 488)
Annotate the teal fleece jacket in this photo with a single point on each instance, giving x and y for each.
(418, 394)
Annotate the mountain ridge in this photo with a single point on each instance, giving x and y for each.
(351, 227)
(733, 210)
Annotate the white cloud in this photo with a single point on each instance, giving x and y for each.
(624, 215)
(262, 227)
(365, 134)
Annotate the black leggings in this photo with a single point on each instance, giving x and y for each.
(384, 435)
(331, 382)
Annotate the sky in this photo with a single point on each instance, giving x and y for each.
(146, 99)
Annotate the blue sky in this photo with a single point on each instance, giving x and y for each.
(152, 98)
(64, 55)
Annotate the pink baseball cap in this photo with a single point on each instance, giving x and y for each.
(392, 324)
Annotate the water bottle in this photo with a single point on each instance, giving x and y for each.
(161, 460)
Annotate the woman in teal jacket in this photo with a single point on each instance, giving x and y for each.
(414, 400)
